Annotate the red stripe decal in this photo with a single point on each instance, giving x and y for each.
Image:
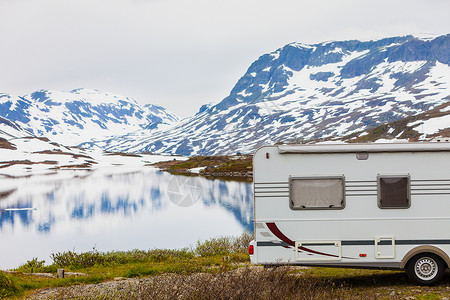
(276, 231)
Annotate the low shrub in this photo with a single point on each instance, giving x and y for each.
(224, 245)
(33, 265)
(78, 260)
(214, 246)
(94, 257)
(7, 287)
(241, 243)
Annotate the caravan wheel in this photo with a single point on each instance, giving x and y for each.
(426, 269)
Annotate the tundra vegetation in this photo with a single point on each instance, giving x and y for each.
(213, 269)
(237, 167)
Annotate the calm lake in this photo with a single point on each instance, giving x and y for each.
(125, 210)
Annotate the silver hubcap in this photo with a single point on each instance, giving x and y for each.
(426, 268)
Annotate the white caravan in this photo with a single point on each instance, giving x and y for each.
(354, 205)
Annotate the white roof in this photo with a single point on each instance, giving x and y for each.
(366, 147)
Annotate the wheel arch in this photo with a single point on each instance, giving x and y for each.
(425, 249)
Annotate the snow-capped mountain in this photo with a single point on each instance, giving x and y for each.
(9, 129)
(23, 155)
(71, 118)
(303, 92)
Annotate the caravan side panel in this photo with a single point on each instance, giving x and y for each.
(362, 232)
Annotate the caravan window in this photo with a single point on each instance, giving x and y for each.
(393, 191)
(316, 192)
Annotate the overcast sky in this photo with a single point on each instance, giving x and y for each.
(181, 54)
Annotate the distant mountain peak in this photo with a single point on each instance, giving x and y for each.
(312, 92)
(295, 93)
(80, 115)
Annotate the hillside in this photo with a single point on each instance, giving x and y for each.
(23, 155)
(80, 115)
(310, 92)
(430, 125)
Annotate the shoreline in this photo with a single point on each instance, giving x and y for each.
(237, 168)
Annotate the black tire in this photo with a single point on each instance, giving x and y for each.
(426, 269)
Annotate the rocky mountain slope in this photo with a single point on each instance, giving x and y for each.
(71, 118)
(298, 93)
(431, 125)
(309, 92)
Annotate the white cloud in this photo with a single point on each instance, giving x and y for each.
(180, 53)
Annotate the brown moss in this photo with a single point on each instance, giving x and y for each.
(59, 152)
(79, 166)
(215, 166)
(5, 164)
(5, 144)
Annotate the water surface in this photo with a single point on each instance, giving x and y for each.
(139, 209)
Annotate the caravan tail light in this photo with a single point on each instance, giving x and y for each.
(251, 250)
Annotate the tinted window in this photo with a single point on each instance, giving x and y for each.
(393, 192)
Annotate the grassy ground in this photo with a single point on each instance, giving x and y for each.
(230, 280)
(207, 256)
(214, 269)
(377, 284)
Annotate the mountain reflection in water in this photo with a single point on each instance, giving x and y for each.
(142, 209)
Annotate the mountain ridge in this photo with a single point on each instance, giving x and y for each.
(82, 114)
(298, 92)
(311, 92)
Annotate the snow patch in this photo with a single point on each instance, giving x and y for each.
(196, 170)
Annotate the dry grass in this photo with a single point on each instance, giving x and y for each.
(256, 282)
(244, 283)
(215, 269)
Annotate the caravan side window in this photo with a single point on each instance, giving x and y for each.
(394, 191)
(316, 192)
